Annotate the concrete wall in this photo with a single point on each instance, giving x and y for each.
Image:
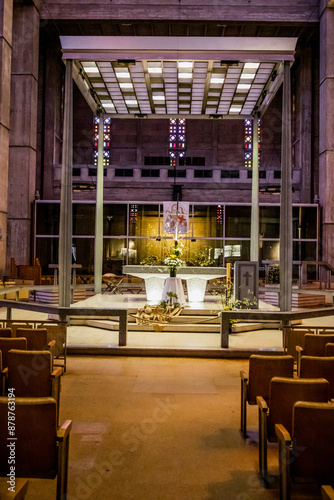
(6, 18)
(22, 150)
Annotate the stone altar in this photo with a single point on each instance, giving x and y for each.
(155, 276)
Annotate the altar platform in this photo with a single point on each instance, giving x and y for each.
(196, 330)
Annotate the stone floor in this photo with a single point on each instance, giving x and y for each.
(159, 429)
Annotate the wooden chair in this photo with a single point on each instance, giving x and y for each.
(327, 492)
(261, 370)
(30, 373)
(329, 349)
(6, 344)
(283, 393)
(41, 449)
(6, 332)
(37, 338)
(314, 345)
(319, 367)
(21, 487)
(113, 283)
(306, 451)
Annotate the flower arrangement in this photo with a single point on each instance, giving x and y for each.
(174, 261)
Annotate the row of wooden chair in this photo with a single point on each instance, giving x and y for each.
(37, 338)
(41, 446)
(284, 401)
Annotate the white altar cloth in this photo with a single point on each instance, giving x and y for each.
(174, 285)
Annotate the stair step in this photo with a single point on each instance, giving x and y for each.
(171, 327)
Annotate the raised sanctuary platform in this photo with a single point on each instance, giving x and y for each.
(195, 277)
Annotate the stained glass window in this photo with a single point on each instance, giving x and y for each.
(220, 213)
(177, 139)
(133, 214)
(249, 141)
(106, 141)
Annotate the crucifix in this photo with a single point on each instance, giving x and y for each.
(247, 276)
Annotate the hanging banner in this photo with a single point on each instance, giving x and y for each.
(176, 217)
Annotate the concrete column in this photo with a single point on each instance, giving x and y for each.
(23, 133)
(6, 20)
(254, 246)
(326, 121)
(98, 257)
(65, 227)
(305, 125)
(286, 197)
(215, 132)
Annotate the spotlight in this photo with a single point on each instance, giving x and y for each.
(158, 239)
(193, 239)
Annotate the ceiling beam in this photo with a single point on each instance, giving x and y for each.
(104, 48)
(238, 10)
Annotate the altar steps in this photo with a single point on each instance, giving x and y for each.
(189, 321)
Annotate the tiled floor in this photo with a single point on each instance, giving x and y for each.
(159, 429)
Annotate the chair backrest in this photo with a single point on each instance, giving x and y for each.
(6, 344)
(318, 367)
(329, 349)
(37, 338)
(29, 373)
(313, 435)
(262, 369)
(285, 392)
(314, 345)
(293, 336)
(36, 433)
(5, 332)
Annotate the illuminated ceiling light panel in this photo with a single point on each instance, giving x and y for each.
(107, 104)
(247, 76)
(251, 65)
(215, 79)
(126, 85)
(243, 86)
(91, 70)
(185, 64)
(154, 70)
(185, 75)
(131, 102)
(158, 97)
(122, 74)
(235, 109)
